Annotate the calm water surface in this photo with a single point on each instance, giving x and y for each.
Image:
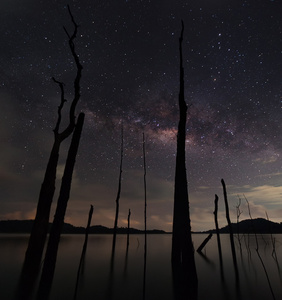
(123, 279)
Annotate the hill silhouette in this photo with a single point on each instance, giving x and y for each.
(258, 225)
(25, 226)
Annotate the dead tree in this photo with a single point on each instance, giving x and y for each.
(257, 251)
(182, 254)
(128, 229)
(238, 214)
(40, 227)
(217, 231)
(145, 190)
(127, 242)
(57, 226)
(145, 218)
(82, 257)
(232, 244)
(118, 194)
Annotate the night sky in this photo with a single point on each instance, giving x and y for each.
(129, 52)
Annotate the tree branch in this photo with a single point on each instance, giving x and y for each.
(79, 67)
(60, 107)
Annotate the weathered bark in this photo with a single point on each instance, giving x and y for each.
(118, 194)
(182, 254)
(56, 229)
(39, 231)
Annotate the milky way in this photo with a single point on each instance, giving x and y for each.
(129, 52)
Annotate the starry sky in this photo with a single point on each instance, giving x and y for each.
(129, 52)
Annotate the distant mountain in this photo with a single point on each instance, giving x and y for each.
(258, 225)
(25, 226)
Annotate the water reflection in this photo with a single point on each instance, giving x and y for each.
(126, 279)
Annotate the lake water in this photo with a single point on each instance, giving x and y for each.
(125, 279)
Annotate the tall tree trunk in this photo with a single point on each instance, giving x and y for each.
(128, 229)
(145, 219)
(145, 189)
(232, 244)
(217, 229)
(118, 194)
(82, 257)
(56, 229)
(39, 231)
(182, 254)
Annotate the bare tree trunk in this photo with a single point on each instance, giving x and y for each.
(82, 257)
(39, 231)
(218, 235)
(54, 238)
(145, 219)
(257, 251)
(182, 254)
(118, 196)
(230, 230)
(128, 228)
(217, 228)
(238, 214)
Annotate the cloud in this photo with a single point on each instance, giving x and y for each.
(270, 174)
(267, 195)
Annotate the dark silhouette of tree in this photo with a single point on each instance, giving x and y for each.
(118, 194)
(182, 255)
(145, 218)
(238, 214)
(117, 212)
(229, 224)
(218, 235)
(145, 188)
(39, 231)
(257, 251)
(57, 226)
(232, 244)
(128, 229)
(82, 257)
(127, 242)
